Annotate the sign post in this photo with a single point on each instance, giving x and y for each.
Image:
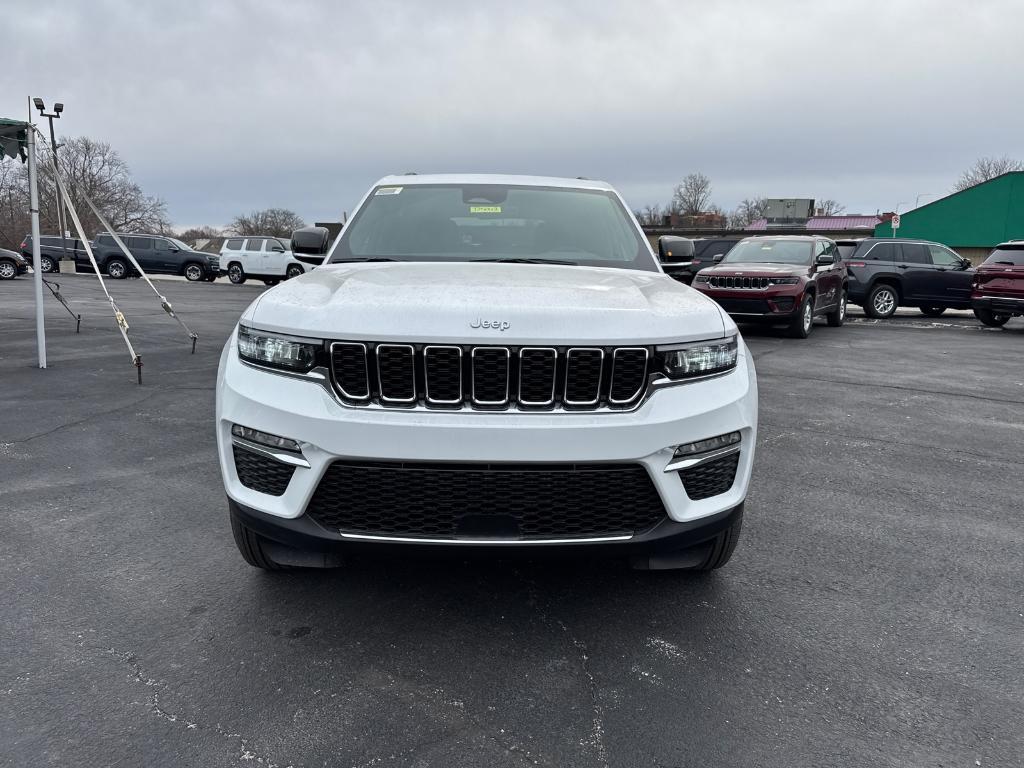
(895, 223)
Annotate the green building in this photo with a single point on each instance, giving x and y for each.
(971, 221)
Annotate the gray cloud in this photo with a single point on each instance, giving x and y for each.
(222, 107)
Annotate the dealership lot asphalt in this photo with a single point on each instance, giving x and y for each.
(873, 613)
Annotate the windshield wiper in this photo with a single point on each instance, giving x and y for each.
(363, 258)
(530, 261)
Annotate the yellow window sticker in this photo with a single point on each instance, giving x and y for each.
(485, 209)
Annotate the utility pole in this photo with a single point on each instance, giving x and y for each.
(34, 213)
(57, 109)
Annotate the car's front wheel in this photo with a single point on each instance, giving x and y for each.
(250, 545)
(882, 301)
(117, 269)
(294, 271)
(838, 315)
(236, 274)
(194, 273)
(722, 547)
(8, 271)
(990, 318)
(801, 325)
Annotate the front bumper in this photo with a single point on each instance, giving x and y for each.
(774, 304)
(327, 430)
(998, 304)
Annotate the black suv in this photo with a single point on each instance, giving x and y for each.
(51, 251)
(682, 257)
(886, 273)
(157, 254)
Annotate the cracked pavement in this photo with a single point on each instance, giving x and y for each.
(873, 613)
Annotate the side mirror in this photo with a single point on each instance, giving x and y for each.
(965, 264)
(673, 250)
(310, 244)
(277, 249)
(175, 249)
(825, 258)
(718, 257)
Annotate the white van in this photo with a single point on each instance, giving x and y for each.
(265, 258)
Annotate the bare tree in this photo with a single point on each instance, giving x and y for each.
(830, 207)
(748, 211)
(693, 196)
(88, 167)
(986, 168)
(204, 232)
(276, 222)
(649, 216)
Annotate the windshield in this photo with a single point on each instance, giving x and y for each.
(180, 244)
(454, 222)
(1007, 255)
(770, 252)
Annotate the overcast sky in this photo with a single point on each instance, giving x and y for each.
(225, 107)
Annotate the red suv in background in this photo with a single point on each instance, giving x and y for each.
(997, 293)
(779, 279)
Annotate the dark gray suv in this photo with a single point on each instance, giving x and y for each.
(157, 254)
(886, 273)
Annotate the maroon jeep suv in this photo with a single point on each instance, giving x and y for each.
(779, 279)
(997, 293)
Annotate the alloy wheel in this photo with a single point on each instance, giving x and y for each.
(193, 272)
(808, 315)
(7, 270)
(885, 302)
(116, 270)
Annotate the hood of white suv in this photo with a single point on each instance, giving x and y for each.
(488, 303)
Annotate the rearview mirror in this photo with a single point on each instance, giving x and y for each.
(672, 250)
(310, 244)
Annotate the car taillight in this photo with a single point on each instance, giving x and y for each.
(24, 244)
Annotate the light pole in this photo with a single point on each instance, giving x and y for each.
(57, 109)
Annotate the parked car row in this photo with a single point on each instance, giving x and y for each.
(266, 258)
(791, 279)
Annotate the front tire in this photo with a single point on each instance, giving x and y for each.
(722, 547)
(8, 271)
(932, 311)
(801, 325)
(194, 273)
(990, 318)
(882, 301)
(117, 269)
(294, 271)
(838, 315)
(250, 545)
(236, 274)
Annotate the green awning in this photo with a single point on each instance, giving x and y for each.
(14, 138)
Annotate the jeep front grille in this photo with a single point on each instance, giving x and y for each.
(739, 282)
(489, 377)
(502, 501)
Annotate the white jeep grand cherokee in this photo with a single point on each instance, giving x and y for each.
(486, 362)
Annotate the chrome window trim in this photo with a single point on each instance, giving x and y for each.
(412, 366)
(283, 457)
(554, 377)
(366, 365)
(472, 376)
(426, 375)
(643, 382)
(565, 390)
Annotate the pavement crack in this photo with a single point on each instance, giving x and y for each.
(83, 420)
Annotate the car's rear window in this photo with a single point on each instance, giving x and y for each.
(846, 249)
(1010, 255)
(482, 222)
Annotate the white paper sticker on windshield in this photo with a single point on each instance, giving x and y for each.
(388, 191)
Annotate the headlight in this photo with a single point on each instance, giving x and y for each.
(701, 359)
(783, 280)
(276, 351)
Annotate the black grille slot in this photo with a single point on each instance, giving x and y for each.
(710, 479)
(443, 370)
(480, 500)
(583, 376)
(629, 374)
(490, 375)
(261, 473)
(350, 372)
(537, 368)
(739, 282)
(396, 372)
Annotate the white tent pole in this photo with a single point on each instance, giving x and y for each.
(33, 185)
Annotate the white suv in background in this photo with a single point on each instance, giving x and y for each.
(490, 363)
(265, 258)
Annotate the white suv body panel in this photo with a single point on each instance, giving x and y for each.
(258, 257)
